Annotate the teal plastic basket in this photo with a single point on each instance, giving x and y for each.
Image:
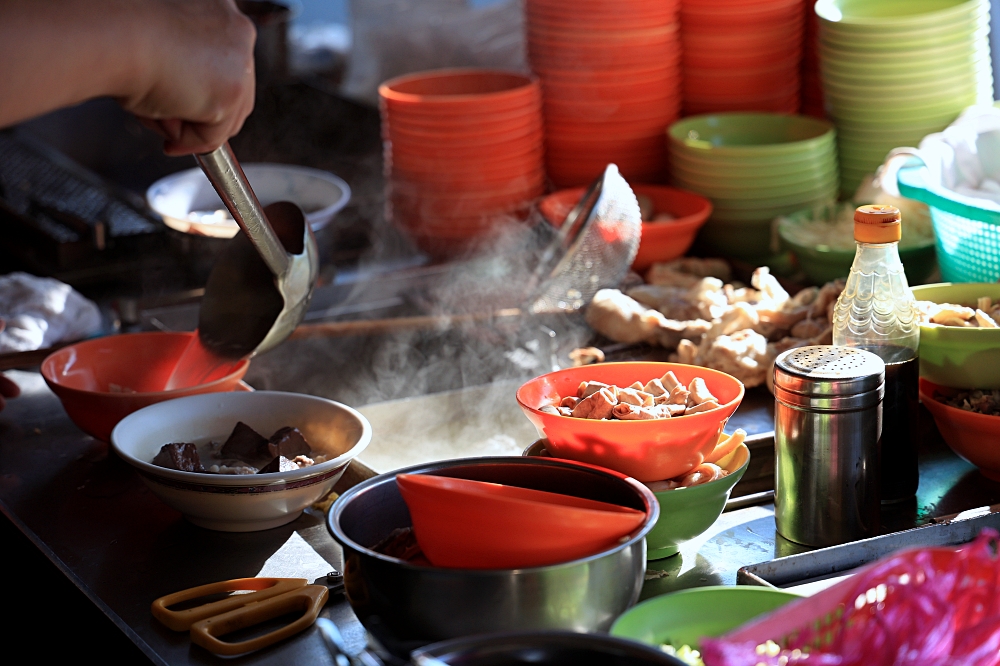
(967, 235)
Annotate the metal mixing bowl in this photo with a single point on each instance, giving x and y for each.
(416, 604)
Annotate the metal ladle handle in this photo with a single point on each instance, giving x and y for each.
(228, 179)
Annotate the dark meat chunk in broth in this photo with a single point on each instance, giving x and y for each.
(246, 444)
(279, 464)
(182, 456)
(288, 442)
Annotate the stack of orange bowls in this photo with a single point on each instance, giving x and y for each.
(610, 73)
(463, 153)
(742, 55)
(812, 85)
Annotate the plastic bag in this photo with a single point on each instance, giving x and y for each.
(926, 607)
(395, 37)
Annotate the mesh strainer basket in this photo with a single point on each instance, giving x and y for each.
(968, 234)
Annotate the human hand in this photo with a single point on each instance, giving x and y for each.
(8, 389)
(194, 77)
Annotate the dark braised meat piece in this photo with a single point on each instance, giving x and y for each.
(179, 455)
(401, 543)
(279, 464)
(246, 444)
(288, 442)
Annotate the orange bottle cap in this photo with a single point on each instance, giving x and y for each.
(877, 224)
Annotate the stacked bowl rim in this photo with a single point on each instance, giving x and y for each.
(831, 13)
(818, 135)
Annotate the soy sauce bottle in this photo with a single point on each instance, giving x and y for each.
(876, 312)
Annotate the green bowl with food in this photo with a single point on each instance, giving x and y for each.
(680, 620)
(959, 352)
(688, 506)
(822, 240)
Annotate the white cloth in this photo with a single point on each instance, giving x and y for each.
(39, 312)
(964, 158)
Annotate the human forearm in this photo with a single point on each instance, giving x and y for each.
(55, 53)
(184, 66)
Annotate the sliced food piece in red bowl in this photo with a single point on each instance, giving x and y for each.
(645, 449)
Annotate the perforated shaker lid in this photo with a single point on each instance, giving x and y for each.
(825, 370)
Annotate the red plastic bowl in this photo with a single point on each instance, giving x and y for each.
(645, 450)
(466, 524)
(459, 91)
(972, 436)
(661, 241)
(81, 374)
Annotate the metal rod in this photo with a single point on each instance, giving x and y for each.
(228, 179)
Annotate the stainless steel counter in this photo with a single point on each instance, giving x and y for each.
(91, 515)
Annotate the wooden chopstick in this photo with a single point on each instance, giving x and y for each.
(377, 326)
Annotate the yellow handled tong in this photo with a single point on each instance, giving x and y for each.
(250, 601)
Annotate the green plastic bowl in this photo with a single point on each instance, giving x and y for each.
(868, 17)
(953, 32)
(917, 115)
(749, 134)
(821, 263)
(762, 169)
(975, 66)
(686, 617)
(687, 512)
(684, 512)
(966, 358)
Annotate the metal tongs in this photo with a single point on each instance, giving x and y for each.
(261, 283)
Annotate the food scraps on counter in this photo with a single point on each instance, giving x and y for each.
(586, 356)
(986, 314)
(685, 653)
(245, 452)
(688, 305)
(978, 401)
(661, 398)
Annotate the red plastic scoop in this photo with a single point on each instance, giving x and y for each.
(467, 524)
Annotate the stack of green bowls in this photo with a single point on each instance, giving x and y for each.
(754, 167)
(894, 71)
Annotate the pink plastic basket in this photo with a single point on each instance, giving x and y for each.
(926, 607)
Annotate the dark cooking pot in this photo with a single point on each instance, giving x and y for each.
(417, 604)
(548, 648)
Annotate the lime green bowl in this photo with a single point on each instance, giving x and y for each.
(966, 29)
(772, 166)
(966, 358)
(867, 17)
(687, 512)
(738, 191)
(750, 134)
(686, 617)
(977, 66)
(684, 512)
(822, 263)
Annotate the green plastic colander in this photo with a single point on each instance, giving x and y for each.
(967, 235)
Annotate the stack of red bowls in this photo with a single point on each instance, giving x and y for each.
(463, 153)
(742, 55)
(610, 73)
(812, 85)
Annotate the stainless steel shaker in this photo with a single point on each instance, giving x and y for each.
(827, 423)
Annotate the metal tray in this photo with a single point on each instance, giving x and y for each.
(836, 562)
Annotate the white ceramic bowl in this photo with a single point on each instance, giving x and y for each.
(319, 194)
(241, 503)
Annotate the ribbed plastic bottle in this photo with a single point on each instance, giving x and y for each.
(876, 311)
